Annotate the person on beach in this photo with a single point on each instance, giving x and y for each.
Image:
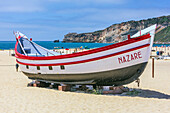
(17, 66)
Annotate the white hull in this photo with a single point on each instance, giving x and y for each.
(115, 57)
(105, 64)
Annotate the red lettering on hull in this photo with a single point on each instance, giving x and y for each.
(127, 56)
(130, 57)
(120, 60)
(124, 59)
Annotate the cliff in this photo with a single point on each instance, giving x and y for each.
(118, 32)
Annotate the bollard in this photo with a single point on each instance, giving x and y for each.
(152, 67)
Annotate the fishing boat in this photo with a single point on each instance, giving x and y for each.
(116, 64)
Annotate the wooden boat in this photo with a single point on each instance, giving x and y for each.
(116, 64)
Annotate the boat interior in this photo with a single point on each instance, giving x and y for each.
(29, 48)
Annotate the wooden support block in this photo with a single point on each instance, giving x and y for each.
(116, 90)
(111, 88)
(34, 85)
(64, 88)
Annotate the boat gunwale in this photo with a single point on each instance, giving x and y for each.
(96, 50)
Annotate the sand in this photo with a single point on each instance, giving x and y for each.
(16, 97)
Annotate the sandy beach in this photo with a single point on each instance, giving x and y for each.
(16, 97)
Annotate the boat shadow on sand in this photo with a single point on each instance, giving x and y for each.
(146, 94)
(134, 92)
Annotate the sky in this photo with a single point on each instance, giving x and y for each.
(48, 20)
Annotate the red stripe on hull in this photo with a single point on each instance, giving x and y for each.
(133, 40)
(88, 60)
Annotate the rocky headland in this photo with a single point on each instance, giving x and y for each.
(118, 32)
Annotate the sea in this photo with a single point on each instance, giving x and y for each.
(51, 45)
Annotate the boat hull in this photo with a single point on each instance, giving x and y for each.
(116, 64)
(113, 77)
